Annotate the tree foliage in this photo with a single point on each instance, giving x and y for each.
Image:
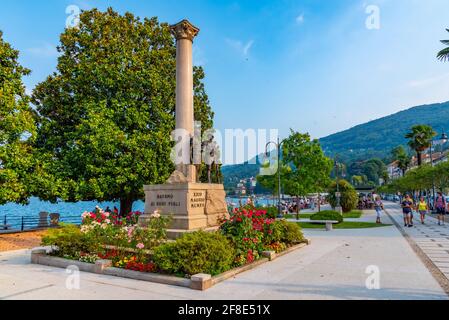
(443, 55)
(420, 138)
(107, 113)
(305, 168)
(400, 155)
(349, 197)
(367, 172)
(17, 128)
(421, 179)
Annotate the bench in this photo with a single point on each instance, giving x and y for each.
(329, 223)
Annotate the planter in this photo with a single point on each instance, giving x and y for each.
(196, 282)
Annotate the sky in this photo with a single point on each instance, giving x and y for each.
(315, 66)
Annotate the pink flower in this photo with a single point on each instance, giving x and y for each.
(140, 246)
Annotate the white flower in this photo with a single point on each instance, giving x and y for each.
(106, 214)
(156, 214)
(107, 221)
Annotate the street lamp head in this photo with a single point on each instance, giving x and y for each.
(444, 138)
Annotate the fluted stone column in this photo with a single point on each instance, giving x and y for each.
(184, 33)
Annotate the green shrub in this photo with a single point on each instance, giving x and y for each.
(292, 233)
(284, 232)
(327, 215)
(276, 232)
(349, 197)
(197, 252)
(272, 212)
(68, 241)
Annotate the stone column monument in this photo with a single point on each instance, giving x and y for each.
(192, 206)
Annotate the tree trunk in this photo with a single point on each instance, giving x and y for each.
(297, 208)
(419, 155)
(126, 205)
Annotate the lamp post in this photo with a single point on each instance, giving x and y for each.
(338, 207)
(441, 140)
(278, 146)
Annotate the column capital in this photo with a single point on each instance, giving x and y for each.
(184, 30)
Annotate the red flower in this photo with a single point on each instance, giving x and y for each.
(249, 256)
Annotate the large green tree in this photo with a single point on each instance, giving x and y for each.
(443, 55)
(107, 113)
(305, 168)
(420, 138)
(17, 128)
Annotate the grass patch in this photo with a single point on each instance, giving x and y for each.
(354, 214)
(344, 225)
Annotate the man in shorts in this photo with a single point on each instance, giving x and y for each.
(440, 205)
(407, 209)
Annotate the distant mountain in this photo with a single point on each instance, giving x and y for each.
(232, 174)
(374, 139)
(378, 137)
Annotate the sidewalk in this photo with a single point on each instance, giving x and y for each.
(432, 241)
(332, 267)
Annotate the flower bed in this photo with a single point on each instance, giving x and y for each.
(242, 240)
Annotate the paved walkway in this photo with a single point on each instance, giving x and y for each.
(431, 239)
(332, 267)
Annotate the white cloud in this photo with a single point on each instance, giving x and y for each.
(300, 19)
(242, 48)
(199, 58)
(248, 47)
(46, 50)
(429, 81)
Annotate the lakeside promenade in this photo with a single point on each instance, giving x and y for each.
(333, 267)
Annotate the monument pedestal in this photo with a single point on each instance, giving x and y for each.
(191, 206)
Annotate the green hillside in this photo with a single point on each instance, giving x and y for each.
(378, 137)
(374, 139)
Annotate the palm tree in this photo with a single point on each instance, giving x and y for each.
(443, 55)
(420, 138)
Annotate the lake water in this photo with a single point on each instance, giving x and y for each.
(63, 208)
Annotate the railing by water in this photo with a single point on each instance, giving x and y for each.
(28, 223)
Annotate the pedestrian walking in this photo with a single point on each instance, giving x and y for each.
(423, 209)
(440, 205)
(407, 208)
(379, 207)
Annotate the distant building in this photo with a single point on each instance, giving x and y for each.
(246, 186)
(437, 157)
(394, 172)
(241, 188)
